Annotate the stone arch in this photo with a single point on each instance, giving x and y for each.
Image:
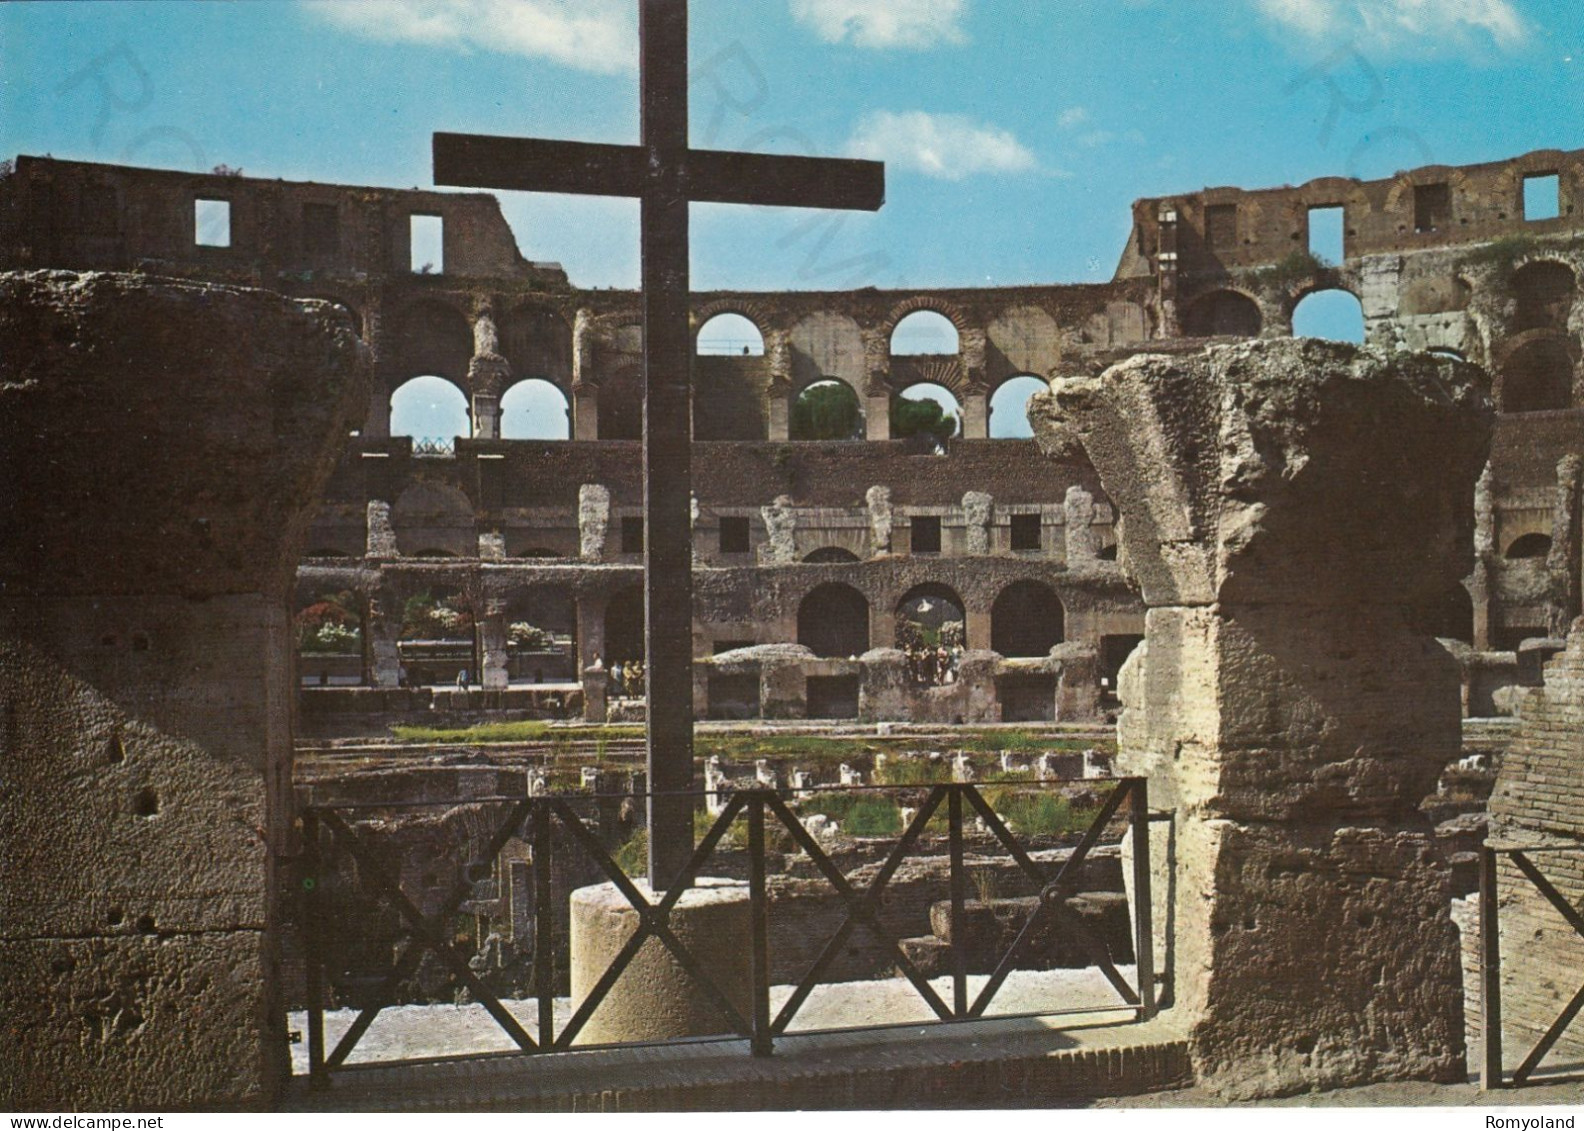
(1543, 290)
(431, 337)
(431, 516)
(1027, 619)
(818, 412)
(1008, 406)
(535, 409)
(1533, 545)
(745, 332)
(1023, 339)
(933, 304)
(924, 614)
(1330, 313)
(1220, 313)
(833, 620)
(537, 342)
(1537, 374)
(927, 316)
(830, 555)
(346, 305)
(430, 407)
(904, 425)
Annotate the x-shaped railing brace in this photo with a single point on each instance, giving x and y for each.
(1571, 1010)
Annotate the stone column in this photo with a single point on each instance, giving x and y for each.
(488, 376)
(593, 521)
(585, 391)
(780, 544)
(384, 629)
(778, 411)
(146, 677)
(494, 658)
(1280, 502)
(379, 537)
(977, 512)
(976, 413)
(596, 684)
(1083, 546)
(878, 500)
(877, 410)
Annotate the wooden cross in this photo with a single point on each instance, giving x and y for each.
(666, 175)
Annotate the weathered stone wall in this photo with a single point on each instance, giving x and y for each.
(161, 445)
(1280, 504)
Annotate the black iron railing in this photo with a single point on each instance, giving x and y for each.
(536, 821)
(1492, 1074)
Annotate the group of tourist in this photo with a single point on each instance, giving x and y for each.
(627, 679)
(932, 667)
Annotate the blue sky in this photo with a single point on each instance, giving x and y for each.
(1015, 133)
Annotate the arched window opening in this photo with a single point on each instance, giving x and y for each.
(432, 411)
(1544, 294)
(436, 641)
(329, 631)
(535, 410)
(1009, 408)
(1027, 619)
(1529, 546)
(1334, 315)
(1222, 314)
(931, 628)
(730, 335)
(926, 410)
(1538, 377)
(827, 410)
(924, 332)
(830, 555)
(833, 620)
(537, 342)
(434, 520)
(541, 637)
(624, 628)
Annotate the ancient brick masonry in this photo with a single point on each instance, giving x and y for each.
(1539, 800)
(1281, 503)
(160, 444)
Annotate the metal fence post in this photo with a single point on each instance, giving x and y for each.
(1143, 910)
(544, 925)
(313, 958)
(758, 902)
(1490, 974)
(959, 926)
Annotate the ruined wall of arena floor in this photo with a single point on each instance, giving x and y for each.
(1439, 258)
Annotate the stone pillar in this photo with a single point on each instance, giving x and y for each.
(976, 672)
(783, 687)
(878, 500)
(380, 536)
(1562, 563)
(882, 685)
(486, 416)
(778, 411)
(877, 411)
(596, 686)
(494, 658)
(590, 631)
(1077, 681)
(1280, 503)
(585, 411)
(1484, 553)
(780, 544)
(976, 628)
(978, 508)
(593, 521)
(585, 392)
(1083, 545)
(384, 630)
(146, 677)
(976, 413)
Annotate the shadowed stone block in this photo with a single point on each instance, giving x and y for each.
(655, 998)
(162, 444)
(1279, 504)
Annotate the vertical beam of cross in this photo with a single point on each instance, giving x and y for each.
(667, 439)
(666, 175)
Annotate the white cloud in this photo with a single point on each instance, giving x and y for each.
(915, 24)
(947, 146)
(1414, 26)
(591, 35)
(1073, 117)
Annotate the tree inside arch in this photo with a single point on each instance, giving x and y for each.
(925, 410)
(827, 410)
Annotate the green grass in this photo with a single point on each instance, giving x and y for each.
(858, 814)
(1037, 812)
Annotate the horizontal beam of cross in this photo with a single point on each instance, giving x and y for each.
(708, 175)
